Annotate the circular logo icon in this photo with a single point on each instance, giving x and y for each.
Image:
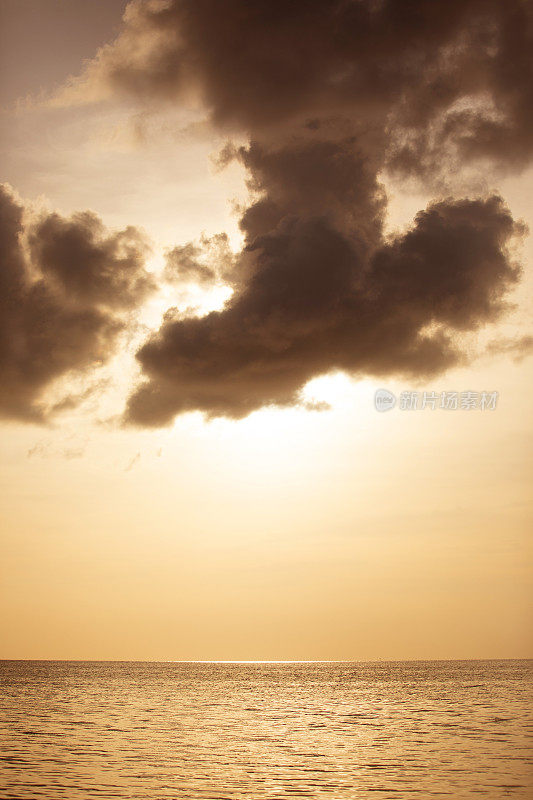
(384, 400)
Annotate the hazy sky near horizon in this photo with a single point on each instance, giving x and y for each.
(179, 484)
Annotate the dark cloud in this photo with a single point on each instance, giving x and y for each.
(331, 95)
(88, 263)
(481, 105)
(60, 299)
(430, 72)
(316, 299)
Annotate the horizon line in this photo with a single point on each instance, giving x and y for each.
(258, 661)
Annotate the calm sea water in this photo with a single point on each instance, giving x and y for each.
(346, 730)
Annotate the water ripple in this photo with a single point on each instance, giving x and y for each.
(233, 731)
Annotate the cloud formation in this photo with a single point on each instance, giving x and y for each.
(89, 264)
(331, 95)
(448, 70)
(64, 285)
(315, 299)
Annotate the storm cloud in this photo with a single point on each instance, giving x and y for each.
(456, 71)
(331, 96)
(315, 300)
(65, 285)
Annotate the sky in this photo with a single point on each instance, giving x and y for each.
(223, 228)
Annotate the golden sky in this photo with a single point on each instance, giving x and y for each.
(250, 502)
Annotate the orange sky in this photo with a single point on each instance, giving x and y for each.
(290, 534)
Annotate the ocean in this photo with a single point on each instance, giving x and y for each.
(428, 729)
